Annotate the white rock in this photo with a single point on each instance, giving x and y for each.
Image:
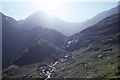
(70, 42)
(76, 40)
(89, 63)
(99, 56)
(66, 56)
(108, 57)
(109, 65)
(67, 46)
(47, 72)
(112, 67)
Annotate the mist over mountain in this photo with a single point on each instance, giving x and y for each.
(43, 19)
(16, 40)
(39, 47)
(99, 17)
(21, 34)
(91, 53)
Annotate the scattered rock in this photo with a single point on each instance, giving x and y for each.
(108, 57)
(110, 65)
(24, 76)
(99, 56)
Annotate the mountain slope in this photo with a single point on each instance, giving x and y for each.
(10, 37)
(46, 44)
(91, 49)
(106, 27)
(100, 17)
(39, 52)
(20, 39)
(93, 53)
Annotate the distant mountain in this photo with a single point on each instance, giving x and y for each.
(67, 28)
(42, 19)
(100, 17)
(106, 27)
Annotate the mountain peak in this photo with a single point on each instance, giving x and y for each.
(40, 14)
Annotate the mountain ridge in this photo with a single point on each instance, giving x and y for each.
(22, 38)
(40, 18)
(92, 53)
(91, 49)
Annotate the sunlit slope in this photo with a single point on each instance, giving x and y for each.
(97, 53)
(93, 53)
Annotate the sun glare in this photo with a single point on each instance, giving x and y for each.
(51, 6)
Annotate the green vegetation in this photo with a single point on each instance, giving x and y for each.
(94, 67)
(93, 55)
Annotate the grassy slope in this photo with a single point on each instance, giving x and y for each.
(31, 59)
(90, 48)
(94, 42)
(95, 67)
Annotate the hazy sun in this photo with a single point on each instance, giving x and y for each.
(51, 6)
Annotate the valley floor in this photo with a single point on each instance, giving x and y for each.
(101, 64)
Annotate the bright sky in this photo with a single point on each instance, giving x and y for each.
(71, 11)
